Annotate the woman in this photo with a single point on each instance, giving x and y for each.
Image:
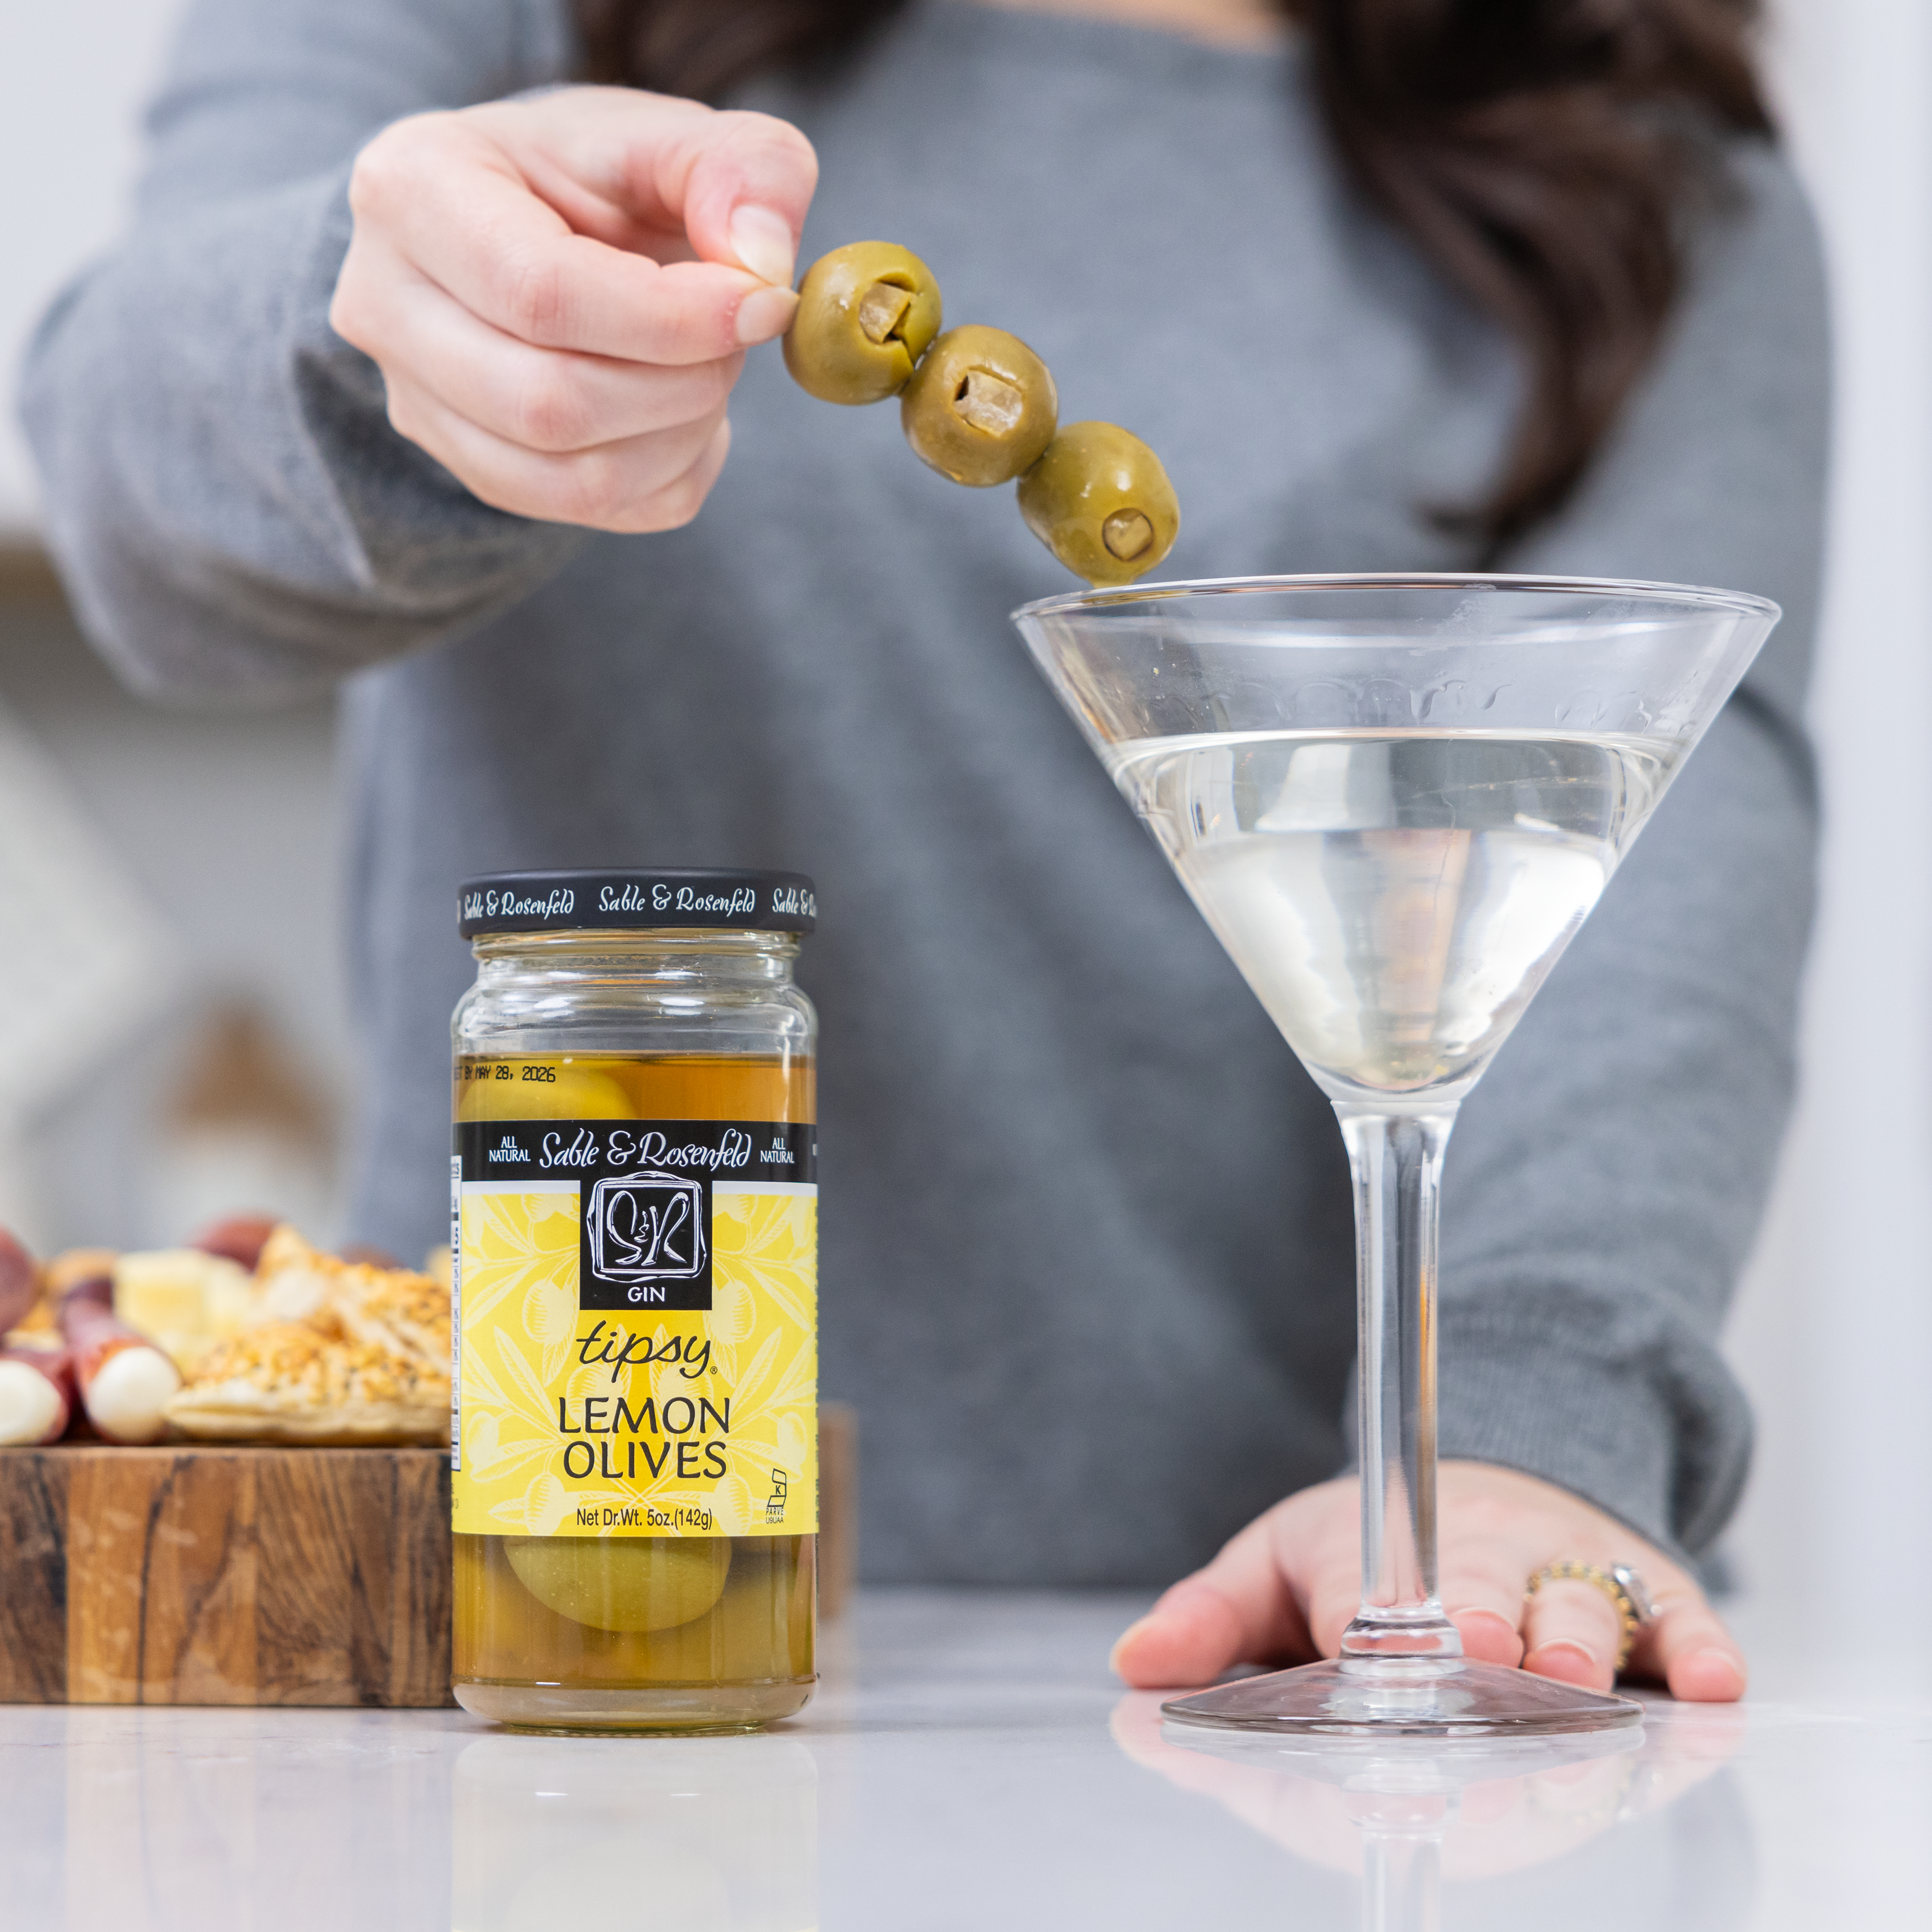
(402, 383)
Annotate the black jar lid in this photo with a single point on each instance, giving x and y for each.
(653, 899)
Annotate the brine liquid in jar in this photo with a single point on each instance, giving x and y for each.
(634, 1439)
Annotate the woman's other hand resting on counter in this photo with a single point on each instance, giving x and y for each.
(1283, 1590)
(559, 292)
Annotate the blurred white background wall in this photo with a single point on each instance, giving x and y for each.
(72, 82)
(215, 837)
(1833, 1329)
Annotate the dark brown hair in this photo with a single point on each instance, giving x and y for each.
(1542, 153)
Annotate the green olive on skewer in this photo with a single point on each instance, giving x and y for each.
(978, 405)
(980, 408)
(866, 314)
(1100, 500)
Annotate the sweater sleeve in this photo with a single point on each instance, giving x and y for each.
(1606, 1179)
(235, 519)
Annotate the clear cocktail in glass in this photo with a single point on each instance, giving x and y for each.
(1395, 799)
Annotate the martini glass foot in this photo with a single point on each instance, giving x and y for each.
(1460, 1699)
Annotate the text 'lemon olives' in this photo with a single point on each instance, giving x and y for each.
(980, 408)
(866, 313)
(1100, 500)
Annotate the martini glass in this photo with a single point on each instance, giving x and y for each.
(1395, 799)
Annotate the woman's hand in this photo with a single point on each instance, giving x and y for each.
(1285, 1588)
(559, 292)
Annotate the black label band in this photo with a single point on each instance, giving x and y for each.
(644, 1189)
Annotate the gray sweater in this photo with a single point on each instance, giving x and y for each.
(1087, 1246)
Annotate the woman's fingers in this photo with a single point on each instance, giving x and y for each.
(545, 400)
(1689, 1647)
(1253, 1603)
(547, 219)
(1190, 1636)
(1499, 1525)
(1483, 1601)
(1325, 1548)
(1224, 1614)
(654, 482)
(1239, 1607)
(446, 198)
(1572, 1631)
(666, 176)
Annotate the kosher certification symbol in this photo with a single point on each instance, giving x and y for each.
(646, 1232)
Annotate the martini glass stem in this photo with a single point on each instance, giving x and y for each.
(1396, 1160)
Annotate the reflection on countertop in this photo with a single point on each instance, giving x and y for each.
(1504, 1824)
(722, 1832)
(968, 1763)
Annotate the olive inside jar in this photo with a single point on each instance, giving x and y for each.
(634, 1213)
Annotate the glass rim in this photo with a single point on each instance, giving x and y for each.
(1643, 590)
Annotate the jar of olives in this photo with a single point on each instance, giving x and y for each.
(633, 1211)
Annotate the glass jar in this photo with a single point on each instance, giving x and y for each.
(633, 1210)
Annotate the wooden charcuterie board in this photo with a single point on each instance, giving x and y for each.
(193, 1574)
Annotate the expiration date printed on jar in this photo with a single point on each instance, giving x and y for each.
(638, 1317)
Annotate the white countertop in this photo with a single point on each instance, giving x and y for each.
(968, 1763)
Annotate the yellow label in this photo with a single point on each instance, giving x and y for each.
(577, 1420)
